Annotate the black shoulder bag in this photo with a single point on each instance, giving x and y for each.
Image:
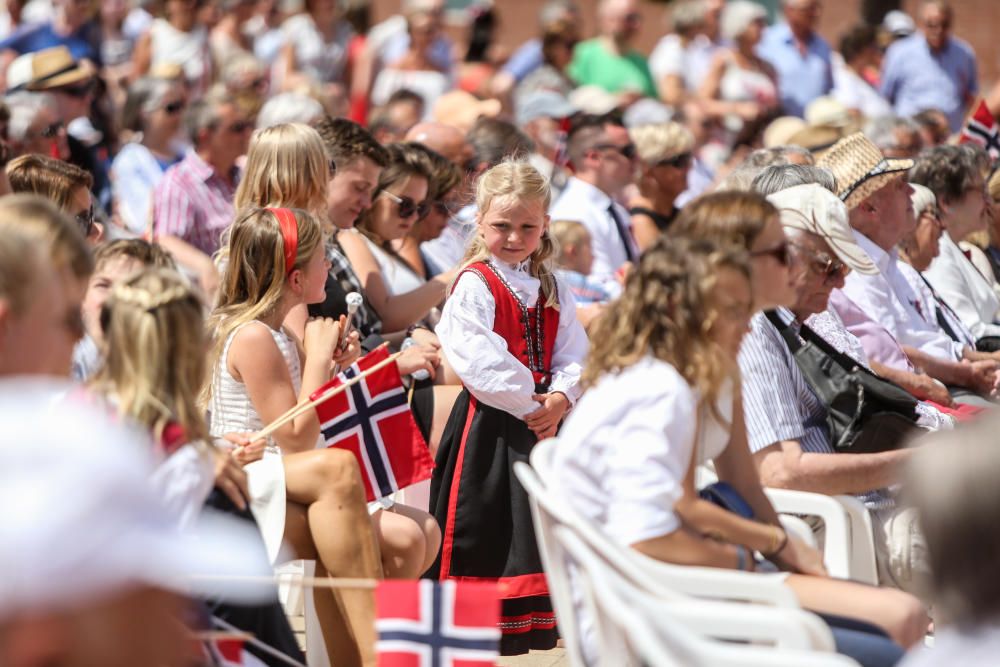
(865, 413)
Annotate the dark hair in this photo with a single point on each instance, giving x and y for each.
(557, 34)
(494, 141)
(138, 97)
(404, 161)
(856, 40)
(444, 174)
(482, 31)
(585, 131)
(345, 140)
(949, 170)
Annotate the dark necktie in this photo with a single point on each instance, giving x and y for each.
(622, 232)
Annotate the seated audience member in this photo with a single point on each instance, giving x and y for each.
(954, 174)
(860, 55)
(290, 108)
(934, 129)
(558, 42)
(443, 201)
(680, 60)
(35, 126)
(609, 60)
(951, 483)
(801, 57)
(416, 68)
(917, 250)
(192, 205)
(991, 250)
(540, 116)
(390, 122)
(643, 494)
(43, 275)
(604, 160)
(114, 263)
(741, 178)
(153, 113)
(783, 176)
(65, 185)
(574, 259)
(896, 137)
(878, 200)
(398, 295)
(665, 158)
(786, 420)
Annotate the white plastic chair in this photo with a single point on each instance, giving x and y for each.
(782, 623)
(635, 627)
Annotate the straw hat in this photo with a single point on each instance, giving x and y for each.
(814, 209)
(781, 130)
(860, 169)
(815, 138)
(461, 109)
(55, 67)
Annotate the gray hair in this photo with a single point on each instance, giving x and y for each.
(743, 176)
(687, 15)
(290, 108)
(554, 10)
(922, 198)
(144, 95)
(738, 16)
(949, 171)
(780, 177)
(203, 113)
(882, 130)
(24, 108)
(494, 141)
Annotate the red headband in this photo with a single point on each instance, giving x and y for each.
(289, 234)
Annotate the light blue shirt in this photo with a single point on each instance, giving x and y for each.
(801, 78)
(914, 78)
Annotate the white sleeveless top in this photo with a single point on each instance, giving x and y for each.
(190, 50)
(232, 411)
(399, 278)
(713, 434)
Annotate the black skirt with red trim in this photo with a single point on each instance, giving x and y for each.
(485, 520)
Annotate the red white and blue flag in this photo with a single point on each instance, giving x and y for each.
(429, 623)
(982, 128)
(372, 419)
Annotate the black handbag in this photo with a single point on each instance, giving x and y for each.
(865, 413)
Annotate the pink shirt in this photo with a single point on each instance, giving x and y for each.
(879, 344)
(193, 203)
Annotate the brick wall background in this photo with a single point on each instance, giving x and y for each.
(976, 21)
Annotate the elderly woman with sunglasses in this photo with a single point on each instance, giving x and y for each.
(399, 294)
(665, 158)
(153, 112)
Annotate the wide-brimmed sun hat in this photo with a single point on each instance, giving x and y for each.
(860, 169)
(55, 68)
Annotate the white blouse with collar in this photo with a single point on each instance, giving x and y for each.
(480, 357)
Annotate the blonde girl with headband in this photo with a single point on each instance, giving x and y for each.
(510, 331)
(300, 491)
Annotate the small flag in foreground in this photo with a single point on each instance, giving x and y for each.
(982, 128)
(230, 652)
(372, 419)
(428, 623)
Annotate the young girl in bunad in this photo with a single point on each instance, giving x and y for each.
(509, 330)
(259, 371)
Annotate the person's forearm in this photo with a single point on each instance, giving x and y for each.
(402, 310)
(683, 547)
(709, 519)
(951, 373)
(832, 474)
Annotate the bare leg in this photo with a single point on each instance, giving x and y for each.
(406, 535)
(444, 400)
(900, 614)
(328, 483)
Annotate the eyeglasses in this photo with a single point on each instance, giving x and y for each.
(406, 207)
(86, 221)
(779, 252)
(678, 161)
(174, 107)
(79, 90)
(831, 269)
(628, 151)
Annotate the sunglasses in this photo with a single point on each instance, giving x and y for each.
(239, 127)
(406, 207)
(831, 269)
(52, 131)
(174, 107)
(628, 151)
(85, 219)
(81, 90)
(779, 252)
(678, 161)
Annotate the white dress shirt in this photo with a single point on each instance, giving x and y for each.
(480, 357)
(933, 311)
(887, 298)
(446, 251)
(587, 204)
(963, 288)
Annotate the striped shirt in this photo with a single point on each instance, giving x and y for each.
(193, 203)
(779, 404)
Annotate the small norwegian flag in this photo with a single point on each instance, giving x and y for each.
(372, 419)
(982, 128)
(230, 652)
(429, 623)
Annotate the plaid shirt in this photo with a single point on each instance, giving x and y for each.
(366, 320)
(193, 203)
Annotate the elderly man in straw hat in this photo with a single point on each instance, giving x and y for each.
(786, 419)
(877, 196)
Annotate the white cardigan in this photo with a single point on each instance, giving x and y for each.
(965, 289)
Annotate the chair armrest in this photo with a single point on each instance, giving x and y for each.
(837, 549)
(863, 567)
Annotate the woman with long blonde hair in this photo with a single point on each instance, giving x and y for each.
(510, 331)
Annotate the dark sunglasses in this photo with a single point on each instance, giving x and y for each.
(86, 221)
(831, 269)
(678, 161)
(239, 127)
(173, 107)
(406, 207)
(779, 252)
(628, 151)
(80, 90)
(52, 131)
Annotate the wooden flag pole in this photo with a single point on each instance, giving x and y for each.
(302, 408)
(305, 582)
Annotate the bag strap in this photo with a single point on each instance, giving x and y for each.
(792, 339)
